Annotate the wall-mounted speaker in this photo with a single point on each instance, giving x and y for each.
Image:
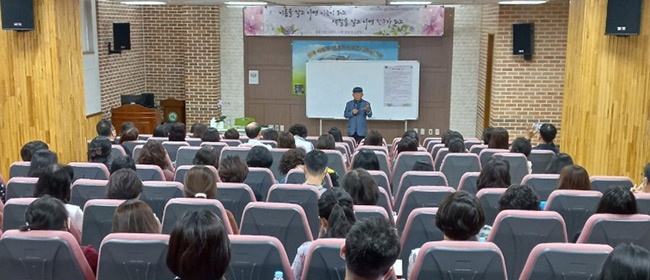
(623, 17)
(121, 37)
(17, 14)
(523, 39)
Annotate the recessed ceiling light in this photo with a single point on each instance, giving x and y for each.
(522, 2)
(244, 3)
(410, 3)
(144, 2)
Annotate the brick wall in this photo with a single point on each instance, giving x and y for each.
(232, 63)
(489, 24)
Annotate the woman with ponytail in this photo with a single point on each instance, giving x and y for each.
(336, 212)
(201, 182)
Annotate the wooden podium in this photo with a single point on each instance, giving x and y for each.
(173, 110)
(145, 119)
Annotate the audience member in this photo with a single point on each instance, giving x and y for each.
(211, 134)
(547, 133)
(161, 130)
(105, 128)
(336, 133)
(522, 145)
(413, 134)
(325, 142)
(374, 138)
(259, 156)
(519, 197)
(487, 134)
(199, 247)
(422, 165)
(626, 262)
(643, 187)
(270, 134)
(199, 129)
(366, 159)
(99, 150)
(361, 186)
(177, 132)
(207, 155)
(233, 169)
(495, 174)
(121, 162)
(456, 145)
(124, 184)
(499, 139)
(451, 135)
(153, 152)
(286, 141)
(201, 182)
(574, 177)
(231, 134)
(617, 200)
(254, 134)
(126, 125)
(558, 162)
(56, 181)
(371, 248)
(407, 144)
(315, 169)
(31, 147)
(299, 132)
(135, 216)
(41, 160)
(129, 134)
(294, 158)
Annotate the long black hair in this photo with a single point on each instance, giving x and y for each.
(336, 206)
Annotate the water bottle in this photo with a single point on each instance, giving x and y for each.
(278, 275)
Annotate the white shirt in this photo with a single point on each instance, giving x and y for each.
(255, 142)
(301, 142)
(76, 215)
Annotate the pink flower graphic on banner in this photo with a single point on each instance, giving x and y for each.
(253, 20)
(433, 21)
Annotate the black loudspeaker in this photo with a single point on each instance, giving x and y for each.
(623, 17)
(121, 37)
(17, 14)
(523, 39)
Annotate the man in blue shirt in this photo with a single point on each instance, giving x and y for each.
(356, 111)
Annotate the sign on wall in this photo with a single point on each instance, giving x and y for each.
(344, 21)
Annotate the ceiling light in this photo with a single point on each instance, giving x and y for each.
(244, 4)
(410, 3)
(522, 2)
(144, 2)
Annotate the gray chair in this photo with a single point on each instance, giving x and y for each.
(157, 193)
(233, 142)
(486, 155)
(297, 176)
(149, 172)
(241, 152)
(136, 151)
(432, 140)
(185, 155)
(612, 230)
(490, 201)
(420, 228)
(335, 161)
(89, 170)
(14, 213)
(435, 148)
(194, 142)
(217, 146)
(277, 156)
(459, 260)
(260, 180)
(381, 156)
(540, 159)
(179, 174)
(518, 165)
(235, 197)
(454, 166)
(323, 261)
(130, 146)
(604, 183)
(561, 261)
(369, 211)
(418, 197)
(575, 207)
(256, 257)
(134, 256)
(172, 148)
(643, 203)
(176, 208)
(385, 202)
(381, 179)
(469, 143)
(468, 182)
(271, 143)
(20, 187)
(418, 178)
(439, 157)
(477, 149)
(86, 189)
(542, 184)
(304, 195)
(19, 169)
(404, 163)
(98, 220)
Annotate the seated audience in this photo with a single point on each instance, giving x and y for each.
(211, 134)
(487, 133)
(371, 248)
(336, 133)
(451, 135)
(361, 186)
(643, 187)
(407, 144)
(259, 156)
(121, 162)
(413, 134)
(495, 174)
(254, 134)
(198, 129)
(161, 130)
(56, 181)
(522, 145)
(456, 145)
(124, 184)
(31, 147)
(153, 152)
(233, 169)
(422, 165)
(41, 160)
(315, 169)
(547, 133)
(499, 139)
(135, 216)
(105, 129)
(231, 134)
(199, 247)
(626, 262)
(336, 213)
(201, 182)
(177, 132)
(291, 159)
(299, 133)
(558, 162)
(374, 138)
(126, 125)
(130, 134)
(617, 200)
(207, 155)
(519, 197)
(325, 142)
(99, 151)
(270, 134)
(574, 177)
(286, 140)
(366, 159)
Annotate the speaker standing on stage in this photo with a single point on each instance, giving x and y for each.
(356, 111)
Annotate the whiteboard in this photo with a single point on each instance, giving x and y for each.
(391, 87)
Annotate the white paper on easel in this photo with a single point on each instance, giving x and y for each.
(253, 77)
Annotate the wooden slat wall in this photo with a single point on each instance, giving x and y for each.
(606, 110)
(41, 85)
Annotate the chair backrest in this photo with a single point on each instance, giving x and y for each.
(486, 155)
(439, 157)
(256, 257)
(382, 149)
(614, 229)
(381, 179)
(351, 143)
(643, 203)
(434, 140)
(369, 211)
(477, 149)
(540, 159)
(241, 152)
(420, 228)
(454, 166)
(185, 155)
(469, 143)
(194, 142)
(297, 176)
(323, 261)
(176, 208)
(418, 197)
(157, 193)
(86, 189)
(19, 169)
(489, 198)
(459, 260)
(575, 207)
(565, 261)
(404, 163)
(179, 174)
(144, 137)
(418, 178)
(20, 187)
(172, 148)
(345, 151)
(14, 213)
(235, 197)
(98, 220)
(89, 170)
(285, 221)
(159, 139)
(260, 179)
(542, 184)
(136, 152)
(435, 148)
(150, 172)
(518, 165)
(217, 146)
(516, 232)
(130, 146)
(134, 256)
(468, 182)
(233, 142)
(335, 161)
(42, 254)
(385, 202)
(277, 154)
(604, 183)
(304, 195)
(116, 151)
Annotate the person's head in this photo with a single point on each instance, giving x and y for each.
(371, 248)
(487, 134)
(547, 133)
(357, 93)
(40, 161)
(558, 162)
(519, 197)
(99, 149)
(291, 159)
(366, 159)
(336, 212)
(121, 162)
(625, 262)
(456, 145)
(55, 181)
(413, 134)
(299, 130)
(422, 165)
(105, 128)
(199, 129)
(124, 184)
(199, 247)
(153, 152)
(28, 150)
(325, 142)
(200, 182)
(207, 155)
(361, 186)
(231, 134)
(374, 138)
(336, 133)
(270, 134)
(407, 144)
(451, 135)
(495, 174)
(617, 200)
(129, 134)
(499, 139)
(135, 216)
(211, 134)
(177, 132)
(460, 216)
(574, 177)
(161, 131)
(286, 140)
(46, 213)
(253, 130)
(232, 169)
(259, 156)
(316, 164)
(126, 125)
(521, 145)
(646, 171)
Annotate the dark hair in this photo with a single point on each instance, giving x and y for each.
(298, 130)
(366, 159)
(548, 132)
(121, 162)
(211, 134)
(371, 247)
(558, 162)
(336, 206)
(135, 216)
(361, 186)
(200, 182)
(161, 130)
(126, 125)
(270, 134)
(231, 134)
(28, 150)
(495, 174)
(422, 165)
(286, 140)
(646, 171)
(104, 128)
(626, 261)
(252, 130)
(456, 145)
(45, 213)
(199, 247)
(374, 138)
(129, 134)
(153, 152)
(259, 156)
(521, 145)
(413, 134)
(177, 132)
(99, 150)
(407, 144)
(574, 177)
(232, 169)
(519, 197)
(124, 184)
(40, 161)
(199, 129)
(487, 134)
(460, 216)
(55, 181)
(316, 162)
(290, 159)
(207, 155)
(617, 200)
(499, 139)
(451, 135)
(336, 133)
(325, 142)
